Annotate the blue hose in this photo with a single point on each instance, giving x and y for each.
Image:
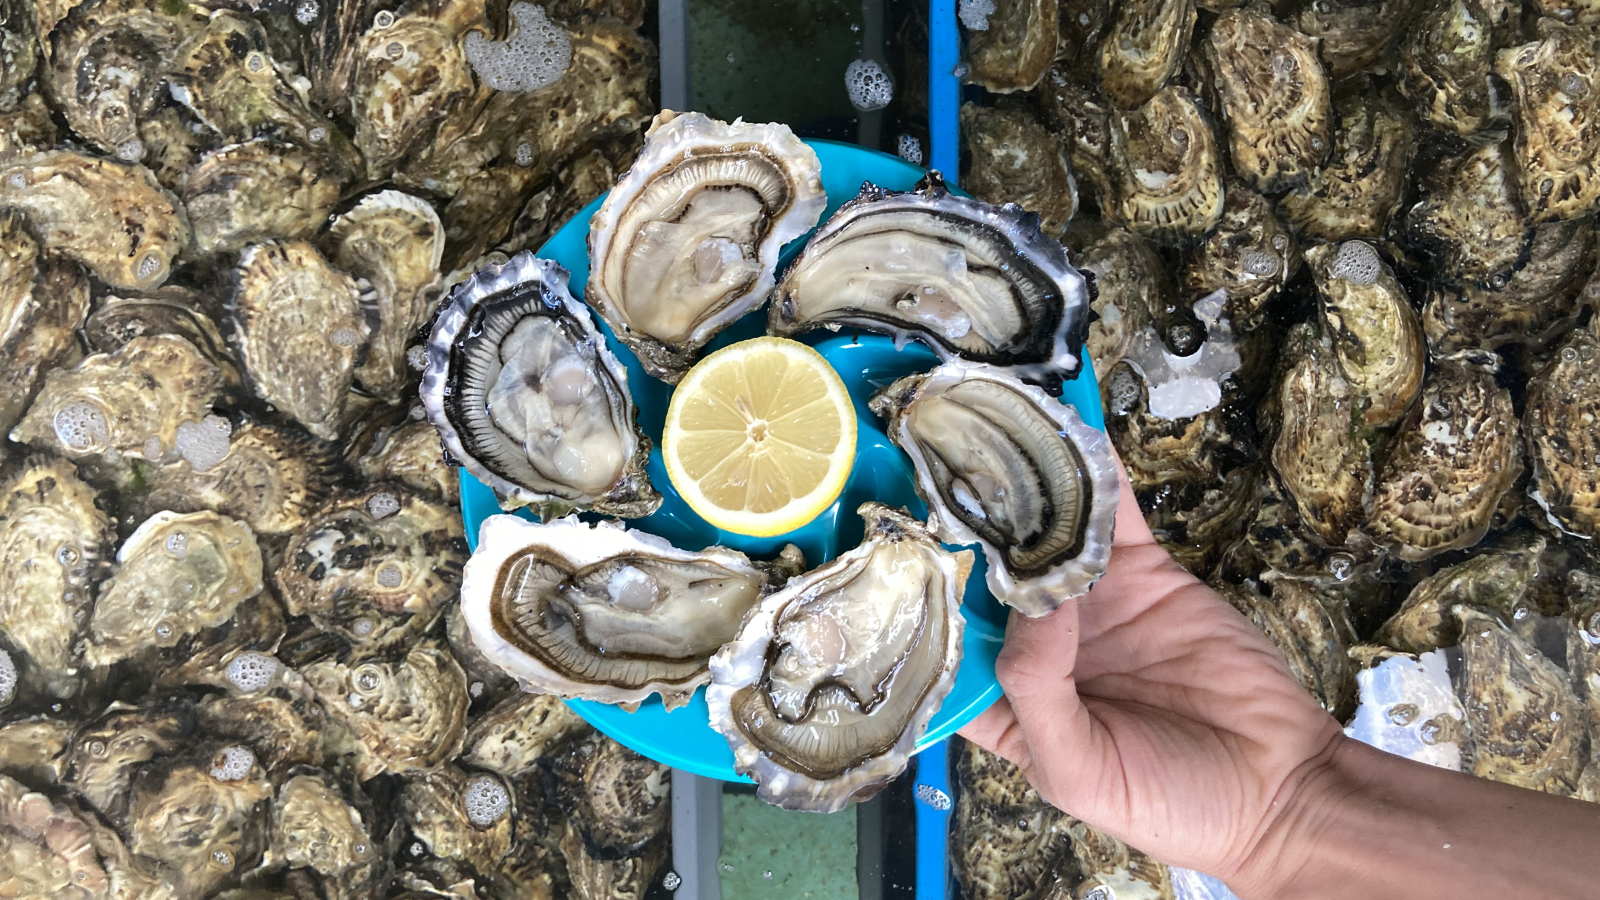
(944, 89)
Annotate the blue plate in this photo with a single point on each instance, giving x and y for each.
(684, 738)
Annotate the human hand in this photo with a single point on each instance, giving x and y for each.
(1154, 712)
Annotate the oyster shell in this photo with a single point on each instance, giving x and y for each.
(287, 726)
(1005, 465)
(1539, 302)
(1130, 283)
(42, 302)
(49, 848)
(31, 748)
(1376, 336)
(618, 804)
(1015, 48)
(398, 717)
(52, 539)
(460, 817)
(239, 194)
(1583, 648)
(115, 219)
(1558, 120)
(1114, 868)
(1014, 159)
(1250, 255)
(176, 574)
(832, 680)
(395, 241)
(1164, 170)
(602, 612)
(968, 279)
(1006, 842)
(699, 218)
(528, 398)
(1562, 407)
(130, 401)
(1448, 54)
(118, 319)
(1159, 451)
(204, 819)
(300, 328)
(1470, 219)
(1320, 453)
(173, 141)
(410, 455)
(108, 750)
(1495, 580)
(1450, 464)
(26, 130)
(19, 58)
(1359, 189)
(1275, 98)
(1143, 46)
(315, 827)
(1080, 121)
(510, 738)
(1353, 35)
(203, 656)
(1311, 630)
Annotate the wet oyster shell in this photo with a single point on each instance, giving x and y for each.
(108, 750)
(1014, 160)
(1164, 169)
(1560, 421)
(1130, 282)
(1495, 580)
(1199, 526)
(48, 847)
(1312, 631)
(239, 194)
(115, 219)
(602, 612)
(399, 717)
(618, 801)
(314, 827)
(287, 728)
(1006, 842)
(173, 141)
(1108, 865)
(395, 241)
(203, 819)
(1280, 539)
(176, 574)
(1557, 108)
(1359, 189)
(1448, 54)
(717, 202)
(1353, 35)
(510, 738)
(1159, 451)
(461, 817)
(579, 182)
(1079, 120)
(813, 741)
(1275, 98)
(26, 130)
(42, 302)
(31, 748)
(202, 657)
(1583, 649)
(1143, 46)
(300, 328)
(130, 401)
(1250, 255)
(19, 58)
(1005, 465)
(410, 455)
(1538, 303)
(1450, 464)
(1320, 454)
(1376, 336)
(119, 318)
(53, 538)
(1017, 47)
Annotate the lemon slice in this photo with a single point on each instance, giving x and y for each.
(760, 436)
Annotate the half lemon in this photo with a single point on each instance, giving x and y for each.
(760, 436)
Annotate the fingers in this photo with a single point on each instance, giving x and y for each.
(1035, 669)
(995, 730)
(1131, 530)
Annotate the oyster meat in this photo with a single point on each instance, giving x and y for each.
(1164, 169)
(42, 302)
(1143, 46)
(1014, 48)
(1562, 412)
(602, 612)
(1003, 464)
(832, 680)
(528, 398)
(688, 240)
(1015, 159)
(1558, 120)
(970, 280)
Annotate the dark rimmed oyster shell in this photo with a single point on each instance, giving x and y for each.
(120, 317)
(1538, 303)
(1470, 219)
(1006, 842)
(1353, 35)
(618, 805)
(239, 194)
(1495, 580)
(1250, 254)
(1320, 453)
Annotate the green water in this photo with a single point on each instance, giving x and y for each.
(772, 854)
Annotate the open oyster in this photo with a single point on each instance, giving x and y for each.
(1275, 97)
(1563, 406)
(42, 302)
(1164, 169)
(1143, 46)
(1359, 189)
(1003, 464)
(688, 240)
(970, 280)
(1014, 159)
(526, 396)
(395, 717)
(832, 680)
(1558, 120)
(238, 194)
(1375, 332)
(602, 612)
(1015, 47)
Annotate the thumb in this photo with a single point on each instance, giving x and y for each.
(1035, 670)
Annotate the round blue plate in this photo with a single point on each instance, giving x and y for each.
(684, 738)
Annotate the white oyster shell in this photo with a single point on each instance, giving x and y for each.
(1003, 464)
(832, 680)
(688, 240)
(602, 612)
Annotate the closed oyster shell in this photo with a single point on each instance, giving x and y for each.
(203, 657)
(511, 738)
(1017, 47)
(1539, 302)
(617, 804)
(130, 401)
(26, 130)
(1250, 255)
(1583, 648)
(1320, 454)
(19, 53)
(42, 302)
(1448, 54)
(1470, 219)
(31, 748)
(261, 189)
(1376, 336)
(48, 847)
(1495, 580)
(286, 727)
(1006, 843)
(119, 318)
(204, 819)
(1078, 117)
(462, 818)
(1450, 464)
(1015, 160)
(173, 141)
(1199, 525)
(115, 219)
(698, 219)
(1359, 189)
(300, 327)
(314, 827)
(175, 575)
(1130, 282)
(410, 455)
(1164, 169)
(395, 241)
(108, 750)
(1143, 46)
(1560, 421)
(400, 716)
(1114, 868)
(1275, 98)
(1311, 630)
(1353, 35)
(1159, 452)
(1558, 120)
(821, 714)
(52, 540)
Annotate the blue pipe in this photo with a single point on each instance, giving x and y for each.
(933, 805)
(944, 89)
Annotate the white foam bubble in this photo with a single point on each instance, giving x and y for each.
(534, 55)
(8, 678)
(390, 576)
(233, 764)
(974, 14)
(870, 87)
(1357, 262)
(382, 504)
(486, 800)
(253, 671)
(81, 426)
(204, 443)
(910, 149)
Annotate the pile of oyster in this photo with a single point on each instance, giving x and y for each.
(231, 660)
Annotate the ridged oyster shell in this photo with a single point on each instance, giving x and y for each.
(1015, 48)
(42, 302)
(602, 612)
(1563, 407)
(1003, 464)
(618, 803)
(699, 219)
(1557, 105)
(968, 279)
(238, 194)
(1359, 189)
(396, 716)
(1143, 46)
(1376, 335)
(315, 827)
(1164, 169)
(527, 397)
(1007, 843)
(832, 680)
